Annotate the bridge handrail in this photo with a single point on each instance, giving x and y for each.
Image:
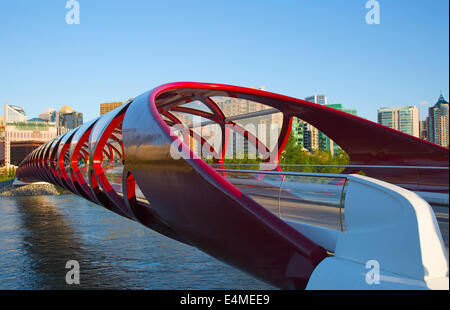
(308, 187)
(286, 173)
(345, 166)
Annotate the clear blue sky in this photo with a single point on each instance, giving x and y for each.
(121, 49)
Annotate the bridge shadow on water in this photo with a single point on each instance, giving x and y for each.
(41, 233)
(50, 241)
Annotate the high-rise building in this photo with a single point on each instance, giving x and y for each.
(109, 106)
(67, 119)
(298, 128)
(310, 137)
(236, 106)
(13, 114)
(260, 120)
(437, 122)
(311, 140)
(325, 143)
(423, 129)
(48, 115)
(404, 119)
(319, 99)
(2, 141)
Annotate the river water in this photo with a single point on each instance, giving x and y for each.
(39, 234)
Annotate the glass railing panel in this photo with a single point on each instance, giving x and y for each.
(68, 168)
(433, 180)
(140, 195)
(314, 200)
(263, 188)
(84, 171)
(113, 173)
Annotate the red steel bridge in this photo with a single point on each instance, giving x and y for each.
(125, 162)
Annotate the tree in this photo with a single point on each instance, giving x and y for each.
(311, 162)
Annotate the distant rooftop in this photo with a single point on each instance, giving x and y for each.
(48, 111)
(66, 109)
(405, 107)
(440, 101)
(17, 108)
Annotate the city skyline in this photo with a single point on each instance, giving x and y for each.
(105, 107)
(398, 62)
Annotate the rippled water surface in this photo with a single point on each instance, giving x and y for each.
(39, 234)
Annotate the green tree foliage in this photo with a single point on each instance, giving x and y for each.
(237, 163)
(294, 155)
(9, 173)
(243, 162)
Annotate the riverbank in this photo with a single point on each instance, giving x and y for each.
(4, 184)
(7, 189)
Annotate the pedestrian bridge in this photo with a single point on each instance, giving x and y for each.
(160, 159)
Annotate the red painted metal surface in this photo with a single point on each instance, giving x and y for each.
(185, 199)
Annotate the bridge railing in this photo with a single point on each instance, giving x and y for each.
(431, 179)
(312, 198)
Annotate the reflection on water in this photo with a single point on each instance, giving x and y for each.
(40, 234)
